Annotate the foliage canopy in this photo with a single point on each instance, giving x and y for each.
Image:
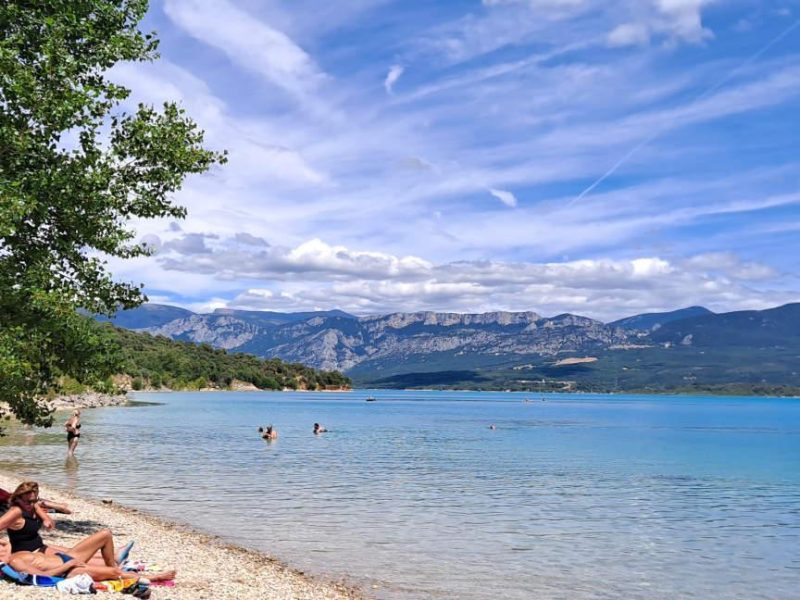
(159, 362)
(78, 163)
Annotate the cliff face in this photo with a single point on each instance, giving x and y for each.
(217, 330)
(513, 349)
(341, 343)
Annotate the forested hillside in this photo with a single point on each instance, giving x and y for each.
(156, 362)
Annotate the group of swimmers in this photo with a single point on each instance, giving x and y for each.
(26, 552)
(270, 433)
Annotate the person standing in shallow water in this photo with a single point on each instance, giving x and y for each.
(73, 427)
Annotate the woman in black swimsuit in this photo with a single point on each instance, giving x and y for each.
(24, 519)
(73, 427)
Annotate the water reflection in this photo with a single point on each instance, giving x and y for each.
(71, 471)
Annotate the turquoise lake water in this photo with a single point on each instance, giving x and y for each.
(414, 496)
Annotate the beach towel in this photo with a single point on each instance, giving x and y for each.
(28, 579)
(116, 585)
(133, 566)
(138, 588)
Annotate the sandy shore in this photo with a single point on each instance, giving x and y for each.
(207, 567)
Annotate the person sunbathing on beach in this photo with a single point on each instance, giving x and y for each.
(269, 433)
(48, 505)
(76, 563)
(25, 517)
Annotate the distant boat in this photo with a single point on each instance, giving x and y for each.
(371, 398)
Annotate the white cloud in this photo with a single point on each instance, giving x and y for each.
(320, 276)
(395, 71)
(505, 197)
(731, 265)
(674, 20)
(248, 42)
(600, 289)
(630, 22)
(316, 255)
(190, 253)
(629, 34)
(526, 98)
(254, 154)
(683, 19)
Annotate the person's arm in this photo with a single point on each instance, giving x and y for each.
(56, 506)
(11, 515)
(47, 521)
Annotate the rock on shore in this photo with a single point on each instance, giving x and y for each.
(207, 567)
(88, 400)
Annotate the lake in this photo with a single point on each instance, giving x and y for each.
(414, 496)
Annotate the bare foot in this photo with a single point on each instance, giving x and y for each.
(163, 576)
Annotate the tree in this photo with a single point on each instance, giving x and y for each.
(75, 169)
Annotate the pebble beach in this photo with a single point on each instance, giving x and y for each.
(207, 567)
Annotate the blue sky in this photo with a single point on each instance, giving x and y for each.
(603, 158)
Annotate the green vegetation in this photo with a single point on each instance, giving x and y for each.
(770, 371)
(75, 170)
(156, 362)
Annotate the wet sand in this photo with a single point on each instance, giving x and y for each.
(207, 567)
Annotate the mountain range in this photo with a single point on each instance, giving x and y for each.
(688, 348)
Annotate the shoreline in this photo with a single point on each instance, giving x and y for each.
(87, 400)
(208, 566)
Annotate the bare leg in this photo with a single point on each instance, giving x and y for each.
(99, 573)
(52, 549)
(103, 541)
(73, 444)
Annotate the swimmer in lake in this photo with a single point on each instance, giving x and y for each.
(269, 433)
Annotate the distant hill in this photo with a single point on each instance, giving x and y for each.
(146, 315)
(692, 348)
(651, 321)
(772, 328)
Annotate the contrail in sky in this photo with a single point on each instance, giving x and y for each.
(702, 96)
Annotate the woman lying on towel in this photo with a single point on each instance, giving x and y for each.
(76, 562)
(25, 517)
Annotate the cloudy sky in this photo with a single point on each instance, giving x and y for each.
(600, 157)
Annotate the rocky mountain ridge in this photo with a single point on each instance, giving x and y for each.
(746, 351)
(340, 342)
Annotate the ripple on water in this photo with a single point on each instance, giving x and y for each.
(597, 497)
